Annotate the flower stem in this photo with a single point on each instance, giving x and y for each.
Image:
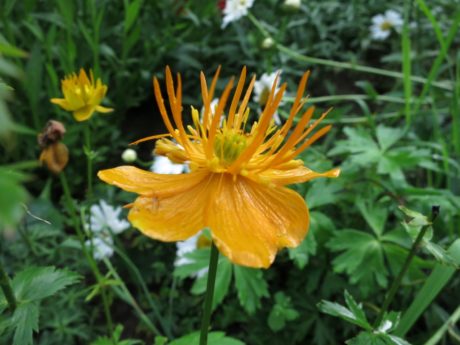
(398, 279)
(5, 285)
(89, 158)
(89, 258)
(207, 309)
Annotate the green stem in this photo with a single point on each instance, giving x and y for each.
(89, 258)
(207, 310)
(89, 158)
(398, 279)
(5, 285)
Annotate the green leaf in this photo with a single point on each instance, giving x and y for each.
(251, 287)
(387, 136)
(12, 197)
(389, 322)
(322, 192)
(281, 312)
(116, 339)
(214, 338)
(12, 51)
(131, 13)
(374, 214)
(362, 258)
(36, 283)
(368, 338)
(199, 259)
(338, 310)
(25, 320)
(416, 219)
(222, 284)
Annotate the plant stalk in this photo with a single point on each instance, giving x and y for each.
(5, 285)
(207, 309)
(89, 258)
(398, 279)
(89, 159)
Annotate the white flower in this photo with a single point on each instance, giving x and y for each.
(262, 88)
(102, 247)
(163, 165)
(129, 155)
(234, 10)
(188, 246)
(105, 218)
(383, 23)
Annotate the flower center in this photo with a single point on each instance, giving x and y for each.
(228, 146)
(386, 25)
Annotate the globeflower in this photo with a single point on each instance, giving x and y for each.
(239, 173)
(82, 95)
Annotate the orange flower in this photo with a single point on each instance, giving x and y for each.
(82, 95)
(54, 153)
(237, 184)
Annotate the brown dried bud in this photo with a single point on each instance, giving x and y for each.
(55, 156)
(52, 133)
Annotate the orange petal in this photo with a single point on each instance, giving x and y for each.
(147, 183)
(296, 175)
(172, 218)
(250, 221)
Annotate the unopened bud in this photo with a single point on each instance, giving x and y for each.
(291, 5)
(129, 156)
(267, 43)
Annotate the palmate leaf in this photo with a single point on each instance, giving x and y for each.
(36, 283)
(251, 287)
(31, 286)
(281, 312)
(362, 258)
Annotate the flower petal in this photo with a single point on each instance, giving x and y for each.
(250, 221)
(146, 183)
(172, 218)
(84, 113)
(297, 175)
(103, 110)
(62, 103)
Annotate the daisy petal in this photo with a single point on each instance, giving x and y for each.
(249, 221)
(172, 218)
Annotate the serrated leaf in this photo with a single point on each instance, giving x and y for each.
(222, 284)
(375, 215)
(12, 197)
(338, 310)
(214, 338)
(322, 192)
(356, 309)
(25, 322)
(36, 283)
(362, 258)
(251, 287)
(387, 136)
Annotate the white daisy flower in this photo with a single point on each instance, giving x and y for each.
(102, 247)
(104, 218)
(234, 10)
(382, 24)
(163, 165)
(262, 89)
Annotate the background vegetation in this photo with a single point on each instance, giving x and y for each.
(396, 137)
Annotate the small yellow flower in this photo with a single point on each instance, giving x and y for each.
(239, 173)
(82, 96)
